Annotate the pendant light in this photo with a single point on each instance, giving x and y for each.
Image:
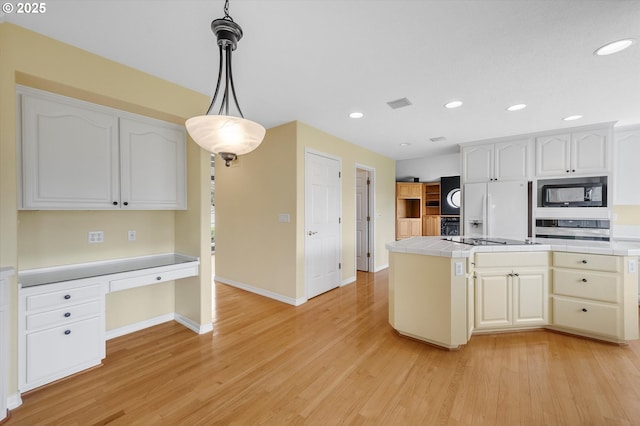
(221, 133)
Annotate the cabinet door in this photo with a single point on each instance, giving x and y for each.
(69, 155)
(408, 190)
(530, 298)
(493, 300)
(431, 225)
(416, 227)
(512, 160)
(553, 155)
(152, 157)
(408, 228)
(590, 152)
(627, 173)
(477, 163)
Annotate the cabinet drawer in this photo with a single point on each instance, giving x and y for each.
(511, 260)
(63, 316)
(589, 285)
(594, 262)
(591, 317)
(63, 297)
(142, 280)
(58, 352)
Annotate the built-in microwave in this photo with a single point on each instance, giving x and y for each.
(591, 194)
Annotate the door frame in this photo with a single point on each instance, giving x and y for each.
(371, 207)
(308, 151)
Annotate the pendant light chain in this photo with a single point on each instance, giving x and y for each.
(226, 11)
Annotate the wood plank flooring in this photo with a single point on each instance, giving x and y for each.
(335, 360)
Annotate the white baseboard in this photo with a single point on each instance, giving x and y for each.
(121, 331)
(261, 292)
(194, 326)
(381, 267)
(348, 281)
(131, 328)
(14, 401)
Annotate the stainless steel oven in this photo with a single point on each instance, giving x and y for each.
(574, 229)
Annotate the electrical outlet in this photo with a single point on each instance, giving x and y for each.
(96, 237)
(131, 235)
(459, 268)
(632, 266)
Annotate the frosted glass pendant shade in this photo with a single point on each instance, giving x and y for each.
(224, 133)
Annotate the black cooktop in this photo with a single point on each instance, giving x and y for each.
(473, 241)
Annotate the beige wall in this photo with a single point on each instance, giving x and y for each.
(252, 247)
(627, 215)
(45, 238)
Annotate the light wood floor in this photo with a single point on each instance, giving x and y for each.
(336, 360)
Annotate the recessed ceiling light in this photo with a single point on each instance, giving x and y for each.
(453, 104)
(614, 47)
(517, 107)
(572, 117)
(356, 115)
(403, 144)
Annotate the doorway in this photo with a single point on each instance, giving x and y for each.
(364, 219)
(323, 242)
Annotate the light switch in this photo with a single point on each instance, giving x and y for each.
(284, 218)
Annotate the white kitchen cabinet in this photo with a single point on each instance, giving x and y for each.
(595, 295)
(511, 290)
(627, 173)
(5, 273)
(578, 153)
(496, 162)
(81, 156)
(61, 330)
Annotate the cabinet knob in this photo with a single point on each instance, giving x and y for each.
(158, 278)
(573, 170)
(67, 296)
(516, 274)
(67, 332)
(567, 171)
(584, 280)
(115, 203)
(584, 310)
(584, 262)
(67, 314)
(126, 203)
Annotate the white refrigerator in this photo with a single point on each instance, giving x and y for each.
(496, 209)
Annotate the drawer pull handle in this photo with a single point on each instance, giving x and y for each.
(584, 262)
(67, 314)
(158, 278)
(584, 310)
(584, 280)
(67, 296)
(67, 332)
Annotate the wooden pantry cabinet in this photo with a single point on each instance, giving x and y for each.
(76, 155)
(408, 210)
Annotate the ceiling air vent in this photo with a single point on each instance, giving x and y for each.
(399, 103)
(438, 139)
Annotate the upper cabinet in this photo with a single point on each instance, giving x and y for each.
(578, 153)
(81, 156)
(627, 173)
(500, 161)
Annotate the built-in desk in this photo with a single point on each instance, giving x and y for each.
(61, 311)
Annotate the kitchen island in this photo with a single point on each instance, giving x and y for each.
(442, 291)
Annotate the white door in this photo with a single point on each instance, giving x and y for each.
(362, 220)
(322, 223)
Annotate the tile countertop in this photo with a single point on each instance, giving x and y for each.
(438, 246)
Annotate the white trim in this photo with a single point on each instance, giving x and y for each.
(141, 325)
(14, 401)
(348, 281)
(194, 326)
(261, 292)
(137, 326)
(372, 211)
(381, 267)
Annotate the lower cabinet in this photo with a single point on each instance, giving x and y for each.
(511, 290)
(409, 228)
(62, 330)
(595, 295)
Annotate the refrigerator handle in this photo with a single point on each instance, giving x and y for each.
(487, 215)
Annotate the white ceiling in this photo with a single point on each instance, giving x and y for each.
(318, 60)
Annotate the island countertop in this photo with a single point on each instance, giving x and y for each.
(449, 247)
